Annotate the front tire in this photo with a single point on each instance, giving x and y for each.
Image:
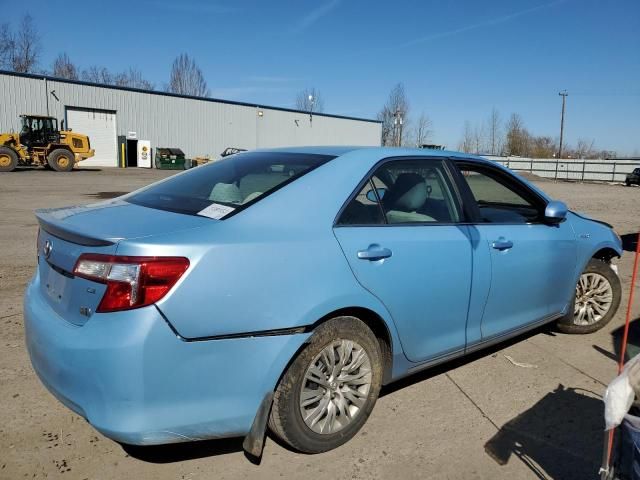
(8, 159)
(596, 299)
(61, 160)
(330, 388)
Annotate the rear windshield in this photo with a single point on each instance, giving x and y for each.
(224, 187)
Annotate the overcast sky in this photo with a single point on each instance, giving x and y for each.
(457, 59)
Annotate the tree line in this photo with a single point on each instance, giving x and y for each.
(21, 51)
(492, 137)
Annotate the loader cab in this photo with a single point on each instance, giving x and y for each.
(39, 131)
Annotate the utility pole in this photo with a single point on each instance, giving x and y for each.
(564, 95)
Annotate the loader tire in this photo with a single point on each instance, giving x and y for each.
(8, 159)
(61, 160)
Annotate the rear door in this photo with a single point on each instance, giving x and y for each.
(401, 236)
(532, 263)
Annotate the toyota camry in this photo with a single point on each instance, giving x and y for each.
(280, 289)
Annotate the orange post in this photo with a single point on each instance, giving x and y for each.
(629, 305)
(634, 275)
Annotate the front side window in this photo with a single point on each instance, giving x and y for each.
(499, 199)
(220, 188)
(404, 192)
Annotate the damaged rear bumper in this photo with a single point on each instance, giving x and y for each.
(136, 382)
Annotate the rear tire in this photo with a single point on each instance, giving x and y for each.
(61, 160)
(595, 301)
(314, 417)
(8, 159)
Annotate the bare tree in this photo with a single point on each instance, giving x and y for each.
(27, 47)
(494, 132)
(584, 149)
(7, 47)
(187, 78)
(310, 99)
(517, 137)
(133, 78)
(423, 130)
(97, 74)
(63, 67)
(467, 143)
(543, 147)
(395, 117)
(479, 140)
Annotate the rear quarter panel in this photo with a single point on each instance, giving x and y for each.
(275, 265)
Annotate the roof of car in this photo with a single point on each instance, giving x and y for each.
(390, 151)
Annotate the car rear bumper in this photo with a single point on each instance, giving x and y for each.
(136, 382)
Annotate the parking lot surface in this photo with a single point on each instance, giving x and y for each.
(527, 409)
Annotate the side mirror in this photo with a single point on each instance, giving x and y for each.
(371, 194)
(555, 212)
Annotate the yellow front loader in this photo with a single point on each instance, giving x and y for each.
(41, 143)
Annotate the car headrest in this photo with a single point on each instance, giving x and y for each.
(409, 193)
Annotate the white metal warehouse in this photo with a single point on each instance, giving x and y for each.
(116, 118)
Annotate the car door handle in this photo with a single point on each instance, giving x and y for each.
(502, 244)
(374, 252)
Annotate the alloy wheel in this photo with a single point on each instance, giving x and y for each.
(594, 296)
(335, 387)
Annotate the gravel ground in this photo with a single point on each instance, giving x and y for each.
(483, 417)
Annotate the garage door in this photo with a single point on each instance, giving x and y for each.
(100, 126)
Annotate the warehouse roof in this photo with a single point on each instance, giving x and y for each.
(168, 94)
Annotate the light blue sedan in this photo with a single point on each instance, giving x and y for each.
(281, 288)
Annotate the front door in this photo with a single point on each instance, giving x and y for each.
(402, 239)
(532, 263)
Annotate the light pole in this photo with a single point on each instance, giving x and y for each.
(311, 103)
(397, 127)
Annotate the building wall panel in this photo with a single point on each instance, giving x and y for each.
(199, 127)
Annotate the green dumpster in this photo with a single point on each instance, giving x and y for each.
(171, 159)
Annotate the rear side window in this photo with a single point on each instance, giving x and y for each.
(404, 192)
(220, 188)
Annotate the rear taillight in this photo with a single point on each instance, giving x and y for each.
(131, 282)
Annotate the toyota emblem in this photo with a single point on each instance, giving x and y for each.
(46, 249)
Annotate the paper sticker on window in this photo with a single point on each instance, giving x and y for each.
(215, 210)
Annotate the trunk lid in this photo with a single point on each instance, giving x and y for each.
(67, 233)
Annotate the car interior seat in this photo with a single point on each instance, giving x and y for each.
(408, 194)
